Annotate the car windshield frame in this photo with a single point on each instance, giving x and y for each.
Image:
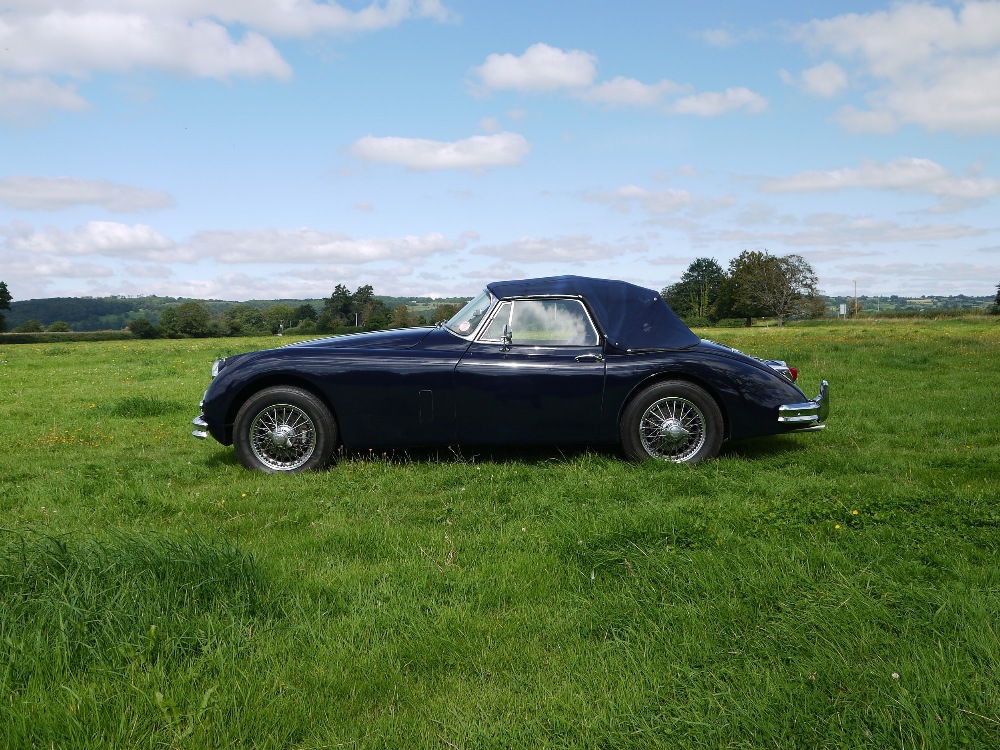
(467, 321)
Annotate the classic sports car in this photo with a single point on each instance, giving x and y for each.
(561, 360)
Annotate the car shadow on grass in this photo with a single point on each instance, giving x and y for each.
(763, 447)
(756, 448)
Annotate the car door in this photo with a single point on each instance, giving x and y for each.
(541, 383)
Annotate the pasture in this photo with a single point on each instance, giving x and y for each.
(839, 589)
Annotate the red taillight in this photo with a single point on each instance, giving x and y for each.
(794, 372)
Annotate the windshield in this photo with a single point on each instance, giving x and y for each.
(465, 322)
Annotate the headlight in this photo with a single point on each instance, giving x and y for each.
(217, 366)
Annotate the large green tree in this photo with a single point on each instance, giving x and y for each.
(5, 299)
(760, 285)
(697, 291)
(186, 319)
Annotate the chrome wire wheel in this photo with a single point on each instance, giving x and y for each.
(672, 421)
(672, 429)
(282, 437)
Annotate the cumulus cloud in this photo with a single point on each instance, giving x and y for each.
(36, 269)
(936, 66)
(571, 249)
(54, 193)
(630, 92)
(540, 68)
(22, 99)
(312, 246)
(543, 68)
(713, 104)
(222, 39)
(478, 152)
(107, 238)
(908, 175)
(719, 37)
(837, 231)
(825, 80)
(140, 242)
(652, 201)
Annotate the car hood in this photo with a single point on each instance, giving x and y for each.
(402, 338)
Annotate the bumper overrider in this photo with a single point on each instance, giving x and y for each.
(202, 432)
(807, 417)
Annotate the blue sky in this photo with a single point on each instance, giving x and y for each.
(264, 149)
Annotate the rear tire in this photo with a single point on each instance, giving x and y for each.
(672, 421)
(284, 429)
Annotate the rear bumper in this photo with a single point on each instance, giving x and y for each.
(809, 416)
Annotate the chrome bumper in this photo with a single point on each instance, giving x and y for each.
(811, 415)
(202, 432)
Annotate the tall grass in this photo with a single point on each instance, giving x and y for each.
(838, 589)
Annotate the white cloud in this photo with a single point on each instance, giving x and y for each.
(478, 152)
(22, 99)
(546, 68)
(312, 246)
(630, 92)
(572, 249)
(32, 269)
(148, 271)
(719, 37)
(105, 238)
(825, 80)
(540, 68)
(652, 201)
(286, 246)
(910, 175)
(839, 231)
(54, 193)
(855, 120)
(713, 104)
(934, 66)
(218, 39)
(79, 43)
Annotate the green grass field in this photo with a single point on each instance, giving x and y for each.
(839, 589)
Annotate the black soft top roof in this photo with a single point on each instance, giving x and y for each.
(632, 317)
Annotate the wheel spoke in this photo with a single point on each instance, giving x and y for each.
(282, 437)
(672, 429)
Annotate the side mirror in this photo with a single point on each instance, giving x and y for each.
(507, 339)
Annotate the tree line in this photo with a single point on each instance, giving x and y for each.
(756, 285)
(342, 312)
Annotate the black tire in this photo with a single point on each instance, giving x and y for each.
(284, 429)
(672, 421)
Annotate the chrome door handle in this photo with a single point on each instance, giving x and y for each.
(590, 358)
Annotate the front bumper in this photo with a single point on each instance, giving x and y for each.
(807, 417)
(202, 432)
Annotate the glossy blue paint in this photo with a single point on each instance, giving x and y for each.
(430, 386)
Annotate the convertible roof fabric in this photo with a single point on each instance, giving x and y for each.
(633, 318)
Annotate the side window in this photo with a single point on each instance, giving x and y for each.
(558, 322)
(494, 332)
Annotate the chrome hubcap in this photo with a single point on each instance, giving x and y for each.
(282, 437)
(672, 429)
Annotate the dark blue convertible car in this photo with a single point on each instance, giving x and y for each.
(561, 360)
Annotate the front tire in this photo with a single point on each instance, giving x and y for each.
(672, 421)
(284, 429)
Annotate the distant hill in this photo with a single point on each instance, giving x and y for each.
(114, 313)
